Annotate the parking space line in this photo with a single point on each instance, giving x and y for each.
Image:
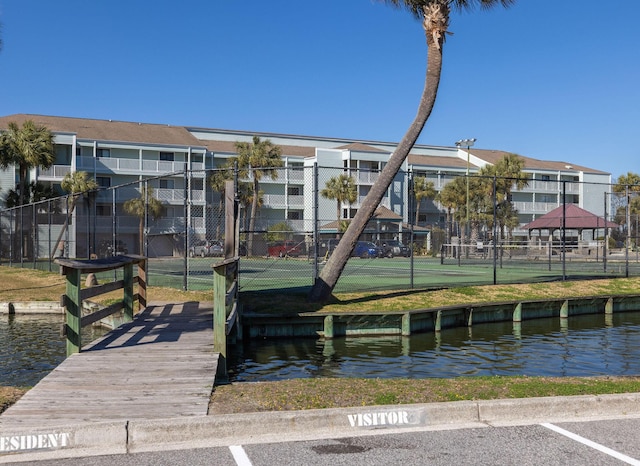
(240, 455)
(594, 445)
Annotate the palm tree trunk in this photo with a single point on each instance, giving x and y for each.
(332, 270)
(65, 225)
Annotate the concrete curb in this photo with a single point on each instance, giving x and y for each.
(233, 429)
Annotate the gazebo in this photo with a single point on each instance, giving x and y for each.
(571, 217)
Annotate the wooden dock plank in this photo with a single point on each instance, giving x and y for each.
(161, 365)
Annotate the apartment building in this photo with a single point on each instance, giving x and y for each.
(119, 153)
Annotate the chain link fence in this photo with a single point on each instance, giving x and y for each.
(470, 234)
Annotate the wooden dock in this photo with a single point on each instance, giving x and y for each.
(161, 365)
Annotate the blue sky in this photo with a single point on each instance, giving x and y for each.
(549, 79)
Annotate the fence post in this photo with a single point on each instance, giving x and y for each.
(74, 310)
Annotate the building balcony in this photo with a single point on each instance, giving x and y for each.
(134, 166)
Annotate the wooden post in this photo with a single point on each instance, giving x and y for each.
(438, 323)
(127, 301)
(220, 316)
(406, 324)
(328, 326)
(517, 313)
(74, 311)
(142, 284)
(608, 307)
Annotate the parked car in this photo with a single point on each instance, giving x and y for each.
(393, 248)
(206, 248)
(284, 248)
(366, 249)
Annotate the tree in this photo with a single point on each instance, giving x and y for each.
(26, 147)
(342, 189)
(422, 189)
(435, 21)
(255, 160)
(77, 184)
(36, 192)
(453, 197)
(217, 180)
(145, 204)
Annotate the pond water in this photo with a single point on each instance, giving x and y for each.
(31, 346)
(592, 345)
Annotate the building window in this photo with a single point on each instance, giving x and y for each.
(167, 156)
(103, 210)
(167, 184)
(103, 181)
(103, 153)
(293, 215)
(545, 178)
(294, 191)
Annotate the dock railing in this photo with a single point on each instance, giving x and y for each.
(72, 300)
(226, 309)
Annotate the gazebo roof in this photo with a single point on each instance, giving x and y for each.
(575, 218)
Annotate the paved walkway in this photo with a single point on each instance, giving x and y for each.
(161, 365)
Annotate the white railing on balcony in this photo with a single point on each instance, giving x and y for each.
(366, 177)
(534, 207)
(56, 171)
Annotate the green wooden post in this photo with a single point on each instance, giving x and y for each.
(128, 292)
(328, 326)
(438, 323)
(220, 316)
(406, 324)
(608, 307)
(73, 307)
(564, 310)
(517, 313)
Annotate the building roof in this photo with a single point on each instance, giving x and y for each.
(437, 161)
(493, 156)
(360, 147)
(108, 130)
(575, 218)
(169, 135)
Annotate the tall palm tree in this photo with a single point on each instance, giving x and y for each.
(342, 189)
(255, 160)
(145, 204)
(217, 180)
(435, 21)
(453, 197)
(75, 183)
(422, 189)
(26, 147)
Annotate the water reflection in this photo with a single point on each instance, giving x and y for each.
(32, 345)
(590, 345)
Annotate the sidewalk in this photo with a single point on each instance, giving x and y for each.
(90, 439)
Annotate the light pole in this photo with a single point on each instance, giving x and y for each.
(468, 143)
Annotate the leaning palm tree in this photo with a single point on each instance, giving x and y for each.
(255, 160)
(342, 189)
(435, 21)
(147, 205)
(75, 183)
(422, 189)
